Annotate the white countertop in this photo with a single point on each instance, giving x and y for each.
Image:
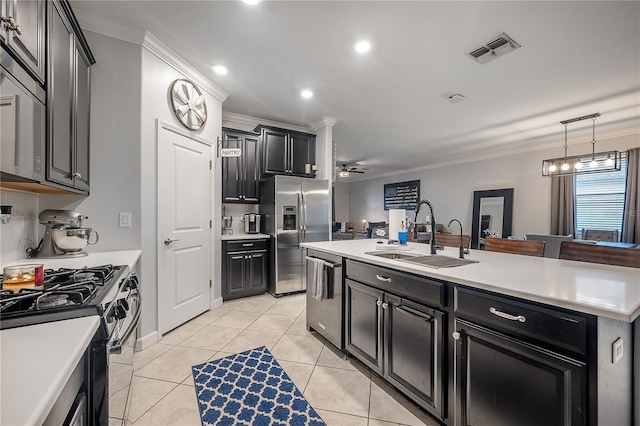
(244, 236)
(121, 257)
(603, 290)
(27, 398)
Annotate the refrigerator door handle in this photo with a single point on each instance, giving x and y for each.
(304, 218)
(300, 220)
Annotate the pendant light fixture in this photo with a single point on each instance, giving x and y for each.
(581, 164)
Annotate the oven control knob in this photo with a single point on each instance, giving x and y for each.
(119, 312)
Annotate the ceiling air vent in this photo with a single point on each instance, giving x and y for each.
(498, 46)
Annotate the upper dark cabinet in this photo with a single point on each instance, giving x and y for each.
(241, 175)
(68, 100)
(24, 33)
(285, 152)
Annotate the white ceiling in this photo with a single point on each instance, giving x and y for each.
(576, 58)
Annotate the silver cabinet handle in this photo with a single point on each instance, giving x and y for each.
(379, 302)
(494, 311)
(383, 278)
(247, 245)
(77, 175)
(168, 241)
(385, 305)
(456, 335)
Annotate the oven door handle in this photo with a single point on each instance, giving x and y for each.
(116, 346)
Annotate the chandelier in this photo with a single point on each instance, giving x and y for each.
(595, 162)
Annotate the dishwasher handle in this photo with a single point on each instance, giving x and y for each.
(327, 264)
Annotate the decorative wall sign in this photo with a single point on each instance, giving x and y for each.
(402, 195)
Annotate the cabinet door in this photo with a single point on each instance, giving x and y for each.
(256, 277)
(4, 12)
(414, 351)
(251, 170)
(363, 323)
(82, 116)
(231, 178)
(60, 165)
(303, 152)
(498, 377)
(275, 152)
(235, 274)
(30, 45)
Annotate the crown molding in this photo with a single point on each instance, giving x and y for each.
(171, 58)
(630, 131)
(232, 117)
(323, 122)
(97, 24)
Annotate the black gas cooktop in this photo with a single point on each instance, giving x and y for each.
(66, 294)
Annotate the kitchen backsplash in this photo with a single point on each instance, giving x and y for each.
(22, 231)
(237, 211)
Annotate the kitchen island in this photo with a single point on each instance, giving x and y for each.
(508, 339)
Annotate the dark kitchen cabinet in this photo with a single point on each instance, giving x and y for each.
(23, 31)
(400, 339)
(286, 152)
(245, 268)
(363, 323)
(68, 104)
(517, 378)
(241, 175)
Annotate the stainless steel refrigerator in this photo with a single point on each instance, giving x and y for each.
(294, 210)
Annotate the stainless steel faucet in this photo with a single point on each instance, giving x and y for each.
(463, 250)
(433, 244)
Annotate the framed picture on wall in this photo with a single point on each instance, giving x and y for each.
(402, 195)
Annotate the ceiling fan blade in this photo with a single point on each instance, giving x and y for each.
(355, 171)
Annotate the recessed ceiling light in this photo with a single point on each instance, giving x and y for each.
(306, 93)
(252, 2)
(362, 46)
(220, 69)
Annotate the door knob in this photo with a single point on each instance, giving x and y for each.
(456, 335)
(168, 241)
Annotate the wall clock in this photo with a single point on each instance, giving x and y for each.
(188, 104)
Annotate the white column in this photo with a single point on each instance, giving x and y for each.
(323, 130)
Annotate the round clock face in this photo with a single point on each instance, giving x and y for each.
(188, 104)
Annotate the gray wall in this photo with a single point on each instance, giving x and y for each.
(341, 196)
(115, 147)
(450, 188)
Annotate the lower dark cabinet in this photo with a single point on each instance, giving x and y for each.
(399, 339)
(502, 380)
(363, 318)
(245, 268)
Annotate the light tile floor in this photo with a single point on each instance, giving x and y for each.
(343, 391)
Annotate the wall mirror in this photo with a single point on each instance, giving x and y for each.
(492, 215)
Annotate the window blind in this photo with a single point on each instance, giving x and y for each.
(599, 200)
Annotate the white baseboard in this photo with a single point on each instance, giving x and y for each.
(217, 303)
(145, 341)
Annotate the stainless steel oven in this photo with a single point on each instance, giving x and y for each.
(120, 347)
(106, 369)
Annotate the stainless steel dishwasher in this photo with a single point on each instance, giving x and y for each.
(326, 316)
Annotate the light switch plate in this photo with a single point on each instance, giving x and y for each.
(618, 350)
(125, 220)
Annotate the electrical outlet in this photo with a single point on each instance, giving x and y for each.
(125, 220)
(618, 350)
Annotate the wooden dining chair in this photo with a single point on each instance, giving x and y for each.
(505, 245)
(453, 240)
(600, 254)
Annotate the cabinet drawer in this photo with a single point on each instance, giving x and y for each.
(246, 245)
(418, 289)
(560, 328)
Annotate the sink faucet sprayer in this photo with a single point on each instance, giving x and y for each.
(463, 250)
(433, 244)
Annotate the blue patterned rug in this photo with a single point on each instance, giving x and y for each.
(250, 388)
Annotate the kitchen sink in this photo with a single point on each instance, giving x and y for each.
(438, 261)
(431, 261)
(392, 255)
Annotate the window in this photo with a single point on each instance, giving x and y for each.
(600, 200)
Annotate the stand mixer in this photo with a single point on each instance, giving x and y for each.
(64, 234)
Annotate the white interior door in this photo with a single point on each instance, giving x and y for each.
(184, 238)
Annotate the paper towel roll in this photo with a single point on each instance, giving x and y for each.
(396, 217)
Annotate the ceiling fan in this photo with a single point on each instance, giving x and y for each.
(345, 170)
